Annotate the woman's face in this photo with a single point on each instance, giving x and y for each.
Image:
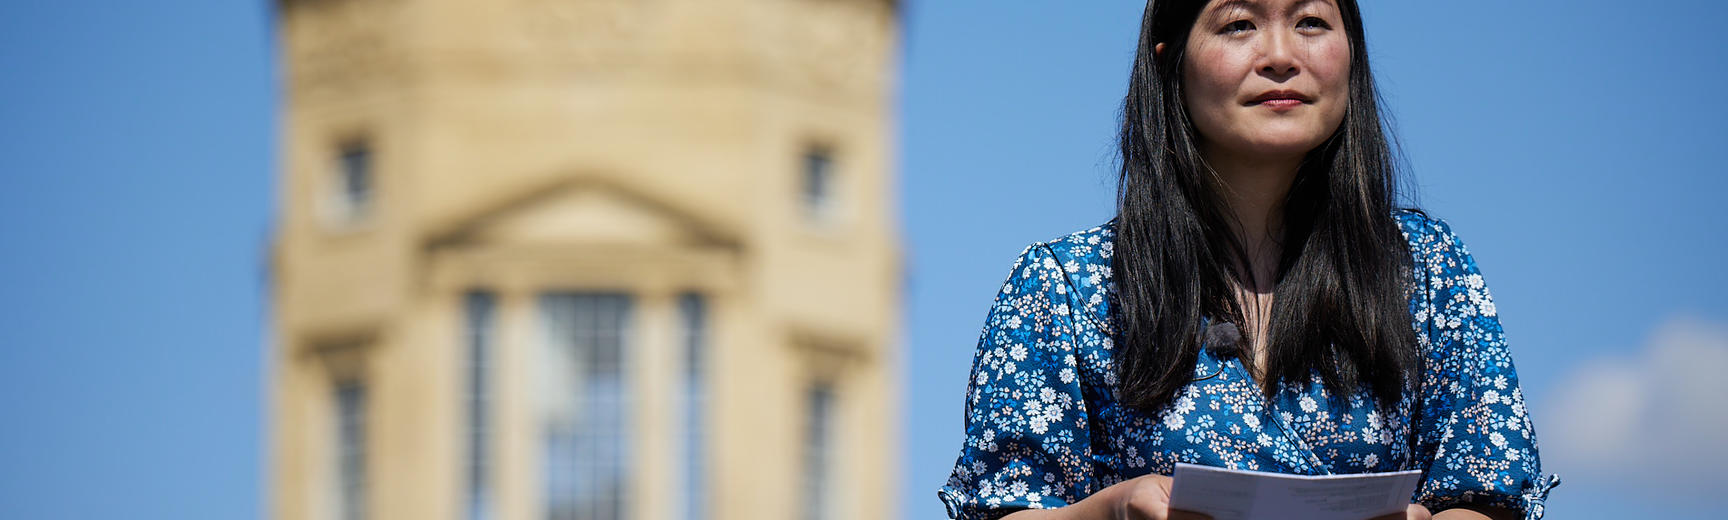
(1267, 78)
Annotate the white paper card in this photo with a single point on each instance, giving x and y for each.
(1228, 494)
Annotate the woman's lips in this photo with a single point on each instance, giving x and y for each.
(1281, 104)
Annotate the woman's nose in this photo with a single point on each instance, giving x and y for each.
(1278, 56)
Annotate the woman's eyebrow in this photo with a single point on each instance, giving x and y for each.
(1229, 6)
(1300, 3)
(1236, 5)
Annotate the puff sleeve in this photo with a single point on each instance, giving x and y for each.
(1027, 442)
(1475, 441)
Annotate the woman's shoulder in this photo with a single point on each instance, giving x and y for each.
(1432, 241)
(1082, 260)
(1418, 225)
(1094, 245)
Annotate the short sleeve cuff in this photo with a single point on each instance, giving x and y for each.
(1536, 497)
(964, 507)
(950, 501)
(1531, 501)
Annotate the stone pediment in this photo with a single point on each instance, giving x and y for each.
(582, 212)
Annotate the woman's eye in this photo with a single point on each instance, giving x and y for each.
(1313, 22)
(1236, 27)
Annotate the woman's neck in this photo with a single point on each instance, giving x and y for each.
(1255, 190)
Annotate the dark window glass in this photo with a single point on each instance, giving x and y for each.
(351, 449)
(479, 307)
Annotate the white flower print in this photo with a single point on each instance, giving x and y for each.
(1308, 404)
(1174, 421)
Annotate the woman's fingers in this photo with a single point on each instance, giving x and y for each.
(1413, 512)
(1417, 512)
(1149, 499)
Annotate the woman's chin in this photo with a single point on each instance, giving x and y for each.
(1281, 146)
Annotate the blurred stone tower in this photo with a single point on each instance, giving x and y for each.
(587, 260)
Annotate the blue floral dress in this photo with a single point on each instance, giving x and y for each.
(1044, 428)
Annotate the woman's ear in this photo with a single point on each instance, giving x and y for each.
(1158, 50)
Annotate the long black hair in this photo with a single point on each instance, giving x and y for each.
(1339, 308)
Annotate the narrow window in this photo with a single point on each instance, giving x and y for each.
(352, 197)
(818, 184)
(479, 307)
(693, 313)
(350, 461)
(818, 451)
(585, 403)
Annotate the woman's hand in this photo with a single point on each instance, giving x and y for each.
(1141, 498)
(1148, 498)
(1414, 512)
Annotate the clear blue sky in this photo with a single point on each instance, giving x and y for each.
(1576, 146)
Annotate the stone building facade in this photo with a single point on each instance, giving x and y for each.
(586, 259)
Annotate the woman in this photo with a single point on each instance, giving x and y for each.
(1259, 302)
